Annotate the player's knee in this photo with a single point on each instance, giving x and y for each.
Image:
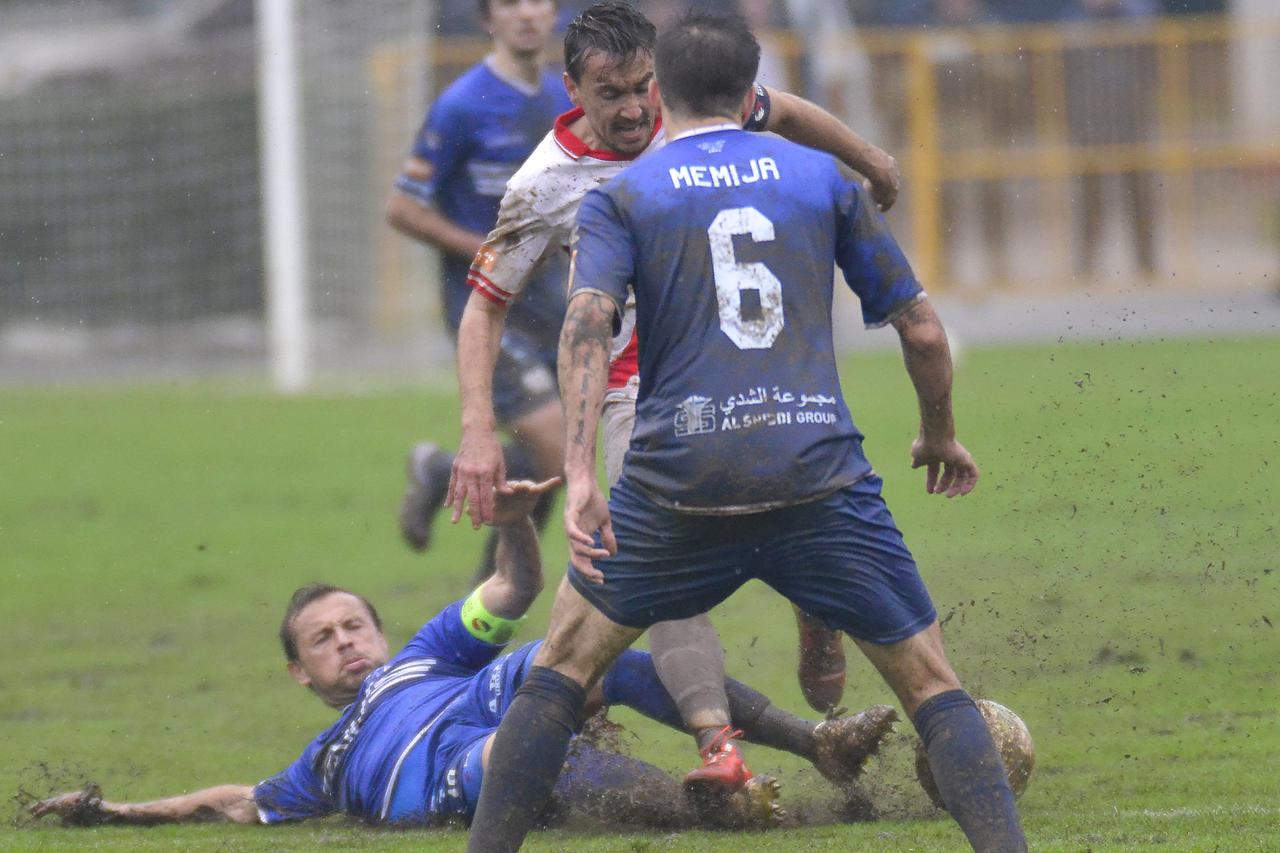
(542, 434)
(580, 671)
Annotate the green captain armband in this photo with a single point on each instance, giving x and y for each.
(483, 625)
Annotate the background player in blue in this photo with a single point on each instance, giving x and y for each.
(744, 461)
(411, 743)
(477, 133)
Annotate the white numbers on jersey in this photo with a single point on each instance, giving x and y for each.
(733, 277)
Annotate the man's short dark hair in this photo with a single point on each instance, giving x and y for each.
(706, 63)
(304, 595)
(618, 30)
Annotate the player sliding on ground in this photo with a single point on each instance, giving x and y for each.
(745, 462)
(412, 743)
(608, 53)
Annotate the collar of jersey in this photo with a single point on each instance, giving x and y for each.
(523, 87)
(575, 147)
(715, 128)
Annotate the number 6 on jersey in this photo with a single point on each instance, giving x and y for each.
(733, 277)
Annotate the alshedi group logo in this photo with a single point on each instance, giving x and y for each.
(696, 415)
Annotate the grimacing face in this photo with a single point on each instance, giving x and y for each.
(523, 26)
(615, 97)
(338, 645)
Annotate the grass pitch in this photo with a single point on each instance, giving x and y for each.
(1114, 579)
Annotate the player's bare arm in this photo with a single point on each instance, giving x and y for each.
(232, 803)
(584, 366)
(802, 121)
(422, 222)
(517, 577)
(950, 469)
(478, 469)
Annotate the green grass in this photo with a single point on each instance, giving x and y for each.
(1114, 579)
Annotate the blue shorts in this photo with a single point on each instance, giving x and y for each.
(457, 791)
(440, 779)
(524, 376)
(840, 559)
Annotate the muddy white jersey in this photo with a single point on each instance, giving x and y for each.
(538, 215)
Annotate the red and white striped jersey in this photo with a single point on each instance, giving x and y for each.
(539, 212)
(537, 217)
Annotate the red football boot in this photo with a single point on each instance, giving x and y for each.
(821, 668)
(723, 771)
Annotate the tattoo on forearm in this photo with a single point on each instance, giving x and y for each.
(584, 360)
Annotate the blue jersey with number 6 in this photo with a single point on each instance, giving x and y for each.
(730, 240)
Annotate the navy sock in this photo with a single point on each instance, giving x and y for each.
(764, 723)
(633, 681)
(528, 752)
(969, 773)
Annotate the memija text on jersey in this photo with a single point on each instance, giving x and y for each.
(762, 169)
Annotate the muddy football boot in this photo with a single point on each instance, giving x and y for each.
(427, 470)
(843, 744)
(753, 807)
(723, 770)
(821, 667)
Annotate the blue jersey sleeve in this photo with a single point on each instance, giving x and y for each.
(295, 793)
(447, 639)
(442, 144)
(603, 260)
(873, 263)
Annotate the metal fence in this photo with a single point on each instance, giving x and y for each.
(1036, 159)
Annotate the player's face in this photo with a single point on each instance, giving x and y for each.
(338, 645)
(615, 97)
(522, 26)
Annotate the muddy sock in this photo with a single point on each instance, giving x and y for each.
(633, 681)
(528, 752)
(690, 661)
(764, 723)
(969, 773)
(618, 790)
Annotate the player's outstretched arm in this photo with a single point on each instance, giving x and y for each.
(517, 577)
(87, 808)
(806, 123)
(584, 365)
(479, 472)
(951, 471)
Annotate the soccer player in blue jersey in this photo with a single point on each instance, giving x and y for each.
(608, 52)
(477, 133)
(744, 462)
(412, 741)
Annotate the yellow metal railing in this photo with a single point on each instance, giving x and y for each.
(1064, 132)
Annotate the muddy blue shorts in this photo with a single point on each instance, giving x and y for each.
(840, 559)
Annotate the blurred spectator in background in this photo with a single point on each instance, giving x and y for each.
(1193, 7)
(1028, 11)
(974, 100)
(837, 71)
(1108, 104)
